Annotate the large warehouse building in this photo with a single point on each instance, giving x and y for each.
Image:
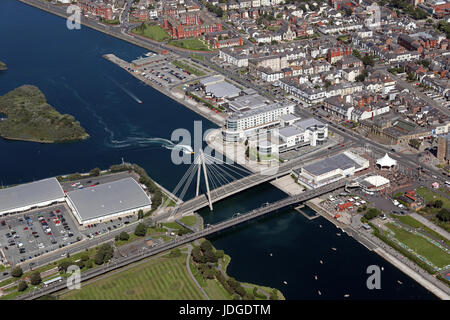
(107, 201)
(331, 169)
(30, 195)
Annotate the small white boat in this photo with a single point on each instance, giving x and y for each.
(382, 268)
(139, 101)
(346, 295)
(338, 234)
(320, 293)
(321, 262)
(285, 282)
(271, 254)
(399, 282)
(333, 249)
(315, 277)
(320, 225)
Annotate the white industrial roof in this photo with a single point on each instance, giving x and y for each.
(386, 161)
(377, 181)
(30, 194)
(222, 89)
(109, 198)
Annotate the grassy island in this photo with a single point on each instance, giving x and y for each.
(26, 115)
(2, 66)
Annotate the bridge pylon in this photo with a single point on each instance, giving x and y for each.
(202, 165)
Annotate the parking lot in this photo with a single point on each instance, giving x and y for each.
(30, 234)
(94, 181)
(165, 74)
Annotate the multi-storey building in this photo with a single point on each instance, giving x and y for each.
(241, 125)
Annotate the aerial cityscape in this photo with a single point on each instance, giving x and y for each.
(252, 150)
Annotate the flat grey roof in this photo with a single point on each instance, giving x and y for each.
(289, 131)
(329, 164)
(108, 198)
(222, 89)
(30, 194)
(248, 101)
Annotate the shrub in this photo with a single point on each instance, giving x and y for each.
(140, 230)
(17, 272)
(124, 236)
(35, 278)
(22, 286)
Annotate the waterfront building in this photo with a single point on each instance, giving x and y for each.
(330, 169)
(241, 125)
(107, 201)
(30, 195)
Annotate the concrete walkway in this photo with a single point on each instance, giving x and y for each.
(430, 225)
(188, 267)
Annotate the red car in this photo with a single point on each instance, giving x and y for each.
(93, 185)
(58, 211)
(26, 228)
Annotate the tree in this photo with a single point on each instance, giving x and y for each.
(95, 172)
(104, 254)
(17, 272)
(438, 204)
(247, 152)
(411, 76)
(219, 254)
(444, 215)
(22, 286)
(140, 214)
(140, 230)
(63, 265)
(35, 278)
(371, 213)
(124, 236)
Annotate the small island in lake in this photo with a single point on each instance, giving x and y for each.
(2, 66)
(26, 115)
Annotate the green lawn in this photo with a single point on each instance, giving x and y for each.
(410, 221)
(189, 220)
(430, 196)
(421, 246)
(159, 278)
(190, 44)
(154, 32)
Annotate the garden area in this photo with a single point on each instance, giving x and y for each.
(153, 32)
(190, 44)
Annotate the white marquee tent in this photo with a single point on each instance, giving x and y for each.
(386, 161)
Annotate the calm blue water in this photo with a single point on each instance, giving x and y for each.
(67, 66)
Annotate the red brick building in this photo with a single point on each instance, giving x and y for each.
(336, 54)
(190, 24)
(97, 8)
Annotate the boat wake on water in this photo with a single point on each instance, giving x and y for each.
(128, 92)
(140, 142)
